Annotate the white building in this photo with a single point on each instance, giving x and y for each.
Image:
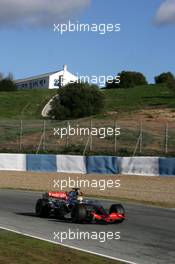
(51, 80)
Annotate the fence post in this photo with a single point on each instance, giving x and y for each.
(67, 136)
(166, 137)
(21, 135)
(115, 137)
(141, 137)
(44, 135)
(90, 145)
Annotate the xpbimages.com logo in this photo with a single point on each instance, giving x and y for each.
(102, 28)
(101, 132)
(102, 237)
(101, 184)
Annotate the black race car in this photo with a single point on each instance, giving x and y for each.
(71, 206)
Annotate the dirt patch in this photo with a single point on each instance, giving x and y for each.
(162, 115)
(154, 190)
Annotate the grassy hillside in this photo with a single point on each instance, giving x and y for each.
(140, 97)
(29, 104)
(154, 105)
(23, 104)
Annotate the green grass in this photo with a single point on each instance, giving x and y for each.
(23, 104)
(29, 104)
(140, 97)
(18, 249)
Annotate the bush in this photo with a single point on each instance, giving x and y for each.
(164, 77)
(128, 79)
(7, 85)
(77, 100)
(171, 86)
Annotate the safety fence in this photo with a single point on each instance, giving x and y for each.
(148, 138)
(146, 166)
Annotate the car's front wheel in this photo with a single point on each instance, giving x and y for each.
(117, 208)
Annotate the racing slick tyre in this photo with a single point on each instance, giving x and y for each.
(61, 212)
(78, 213)
(41, 209)
(117, 208)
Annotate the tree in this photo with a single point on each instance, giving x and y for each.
(171, 86)
(77, 100)
(164, 77)
(7, 85)
(128, 79)
(1, 76)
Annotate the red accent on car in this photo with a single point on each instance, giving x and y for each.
(109, 218)
(61, 195)
(96, 216)
(115, 216)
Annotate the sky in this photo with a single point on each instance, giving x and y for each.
(30, 46)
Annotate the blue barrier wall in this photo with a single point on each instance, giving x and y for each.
(102, 164)
(146, 166)
(46, 163)
(167, 166)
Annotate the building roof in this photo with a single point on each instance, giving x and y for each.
(36, 77)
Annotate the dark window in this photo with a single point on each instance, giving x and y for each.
(57, 82)
(41, 82)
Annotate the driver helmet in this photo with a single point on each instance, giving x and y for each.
(80, 197)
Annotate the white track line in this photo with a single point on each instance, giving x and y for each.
(71, 247)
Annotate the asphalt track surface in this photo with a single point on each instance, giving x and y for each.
(147, 236)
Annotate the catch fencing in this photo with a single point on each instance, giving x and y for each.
(148, 138)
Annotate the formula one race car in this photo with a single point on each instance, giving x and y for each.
(71, 206)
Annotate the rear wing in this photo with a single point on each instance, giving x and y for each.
(56, 195)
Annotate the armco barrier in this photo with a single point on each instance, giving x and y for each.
(102, 164)
(14, 162)
(46, 163)
(139, 166)
(167, 166)
(71, 164)
(146, 166)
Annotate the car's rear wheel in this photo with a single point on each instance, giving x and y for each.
(61, 212)
(78, 213)
(41, 209)
(117, 208)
